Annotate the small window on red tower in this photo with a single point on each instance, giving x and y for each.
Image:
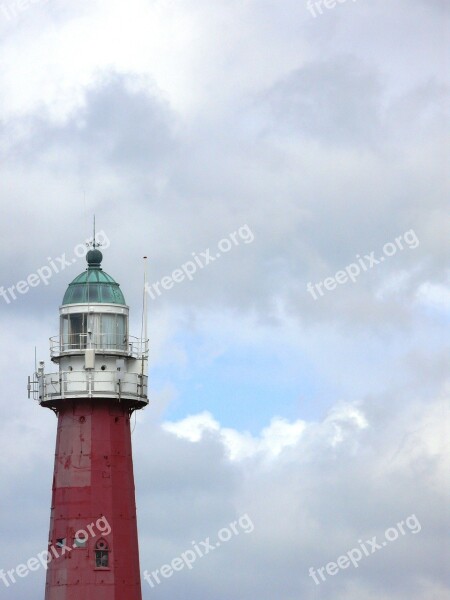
(101, 555)
(80, 542)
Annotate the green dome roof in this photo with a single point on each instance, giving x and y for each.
(94, 285)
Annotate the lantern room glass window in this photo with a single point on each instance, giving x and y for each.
(100, 331)
(73, 331)
(113, 331)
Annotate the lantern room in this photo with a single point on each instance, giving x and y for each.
(96, 355)
(93, 314)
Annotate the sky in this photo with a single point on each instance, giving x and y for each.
(297, 156)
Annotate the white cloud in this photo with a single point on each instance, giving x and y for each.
(278, 435)
(433, 296)
(271, 442)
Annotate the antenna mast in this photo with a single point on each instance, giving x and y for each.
(144, 315)
(145, 299)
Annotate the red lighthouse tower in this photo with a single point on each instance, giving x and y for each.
(101, 380)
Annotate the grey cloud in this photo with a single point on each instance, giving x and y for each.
(121, 123)
(336, 101)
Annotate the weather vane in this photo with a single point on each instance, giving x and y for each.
(94, 244)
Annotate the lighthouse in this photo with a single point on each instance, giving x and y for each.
(98, 381)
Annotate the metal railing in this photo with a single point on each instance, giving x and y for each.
(75, 384)
(107, 343)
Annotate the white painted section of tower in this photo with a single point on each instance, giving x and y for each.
(94, 363)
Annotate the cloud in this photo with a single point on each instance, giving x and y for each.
(345, 110)
(349, 477)
(279, 435)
